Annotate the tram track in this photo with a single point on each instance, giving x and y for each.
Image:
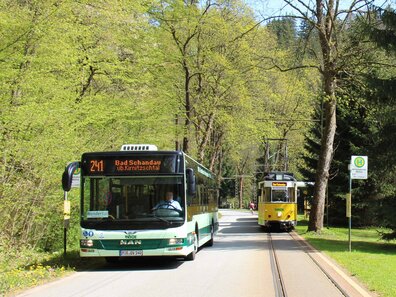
(279, 284)
(308, 251)
(278, 277)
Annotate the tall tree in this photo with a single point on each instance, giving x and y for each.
(328, 20)
(382, 82)
(183, 20)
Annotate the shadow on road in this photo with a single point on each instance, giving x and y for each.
(242, 225)
(141, 264)
(99, 264)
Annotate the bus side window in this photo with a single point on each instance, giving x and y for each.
(198, 195)
(191, 182)
(189, 200)
(191, 186)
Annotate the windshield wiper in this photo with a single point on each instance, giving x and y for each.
(162, 219)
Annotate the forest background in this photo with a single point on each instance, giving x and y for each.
(207, 77)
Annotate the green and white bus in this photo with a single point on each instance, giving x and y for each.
(120, 194)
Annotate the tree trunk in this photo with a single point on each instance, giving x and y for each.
(217, 153)
(205, 138)
(187, 104)
(322, 172)
(326, 29)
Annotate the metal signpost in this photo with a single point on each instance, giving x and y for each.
(358, 169)
(74, 169)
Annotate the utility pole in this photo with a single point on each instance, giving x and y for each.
(276, 159)
(241, 192)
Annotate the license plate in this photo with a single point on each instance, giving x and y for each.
(131, 253)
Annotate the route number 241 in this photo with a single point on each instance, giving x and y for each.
(97, 166)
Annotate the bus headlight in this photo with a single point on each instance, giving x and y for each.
(86, 242)
(173, 241)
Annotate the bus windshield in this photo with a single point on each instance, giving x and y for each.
(138, 202)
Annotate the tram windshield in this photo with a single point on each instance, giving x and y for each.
(282, 195)
(138, 201)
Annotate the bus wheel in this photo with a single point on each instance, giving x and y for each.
(191, 256)
(211, 240)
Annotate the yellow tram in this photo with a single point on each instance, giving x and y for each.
(277, 201)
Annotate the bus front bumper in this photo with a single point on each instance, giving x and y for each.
(177, 251)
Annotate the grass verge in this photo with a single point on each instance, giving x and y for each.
(20, 270)
(371, 260)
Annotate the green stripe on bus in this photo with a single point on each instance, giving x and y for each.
(125, 244)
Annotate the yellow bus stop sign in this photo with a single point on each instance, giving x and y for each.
(66, 210)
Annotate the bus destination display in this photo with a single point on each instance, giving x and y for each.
(137, 165)
(124, 165)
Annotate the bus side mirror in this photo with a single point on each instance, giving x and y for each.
(190, 181)
(67, 176)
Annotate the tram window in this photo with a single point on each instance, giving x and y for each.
(267, 194)
(280, 196)
(283, 195)
(292, 197)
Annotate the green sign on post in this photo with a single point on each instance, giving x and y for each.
(358, 169)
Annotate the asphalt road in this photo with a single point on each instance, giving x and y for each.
(238, 265)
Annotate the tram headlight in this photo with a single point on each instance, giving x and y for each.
(86, 242)
(173, 241)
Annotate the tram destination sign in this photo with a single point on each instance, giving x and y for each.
(359, 167)
(279, 184)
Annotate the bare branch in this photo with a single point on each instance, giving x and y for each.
(276, 66)
(312, 11)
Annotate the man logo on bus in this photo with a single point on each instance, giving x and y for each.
(359, 162)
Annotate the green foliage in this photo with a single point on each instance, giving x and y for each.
(81, 76)
(67, 86)
(92, 75)
(285, 30)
